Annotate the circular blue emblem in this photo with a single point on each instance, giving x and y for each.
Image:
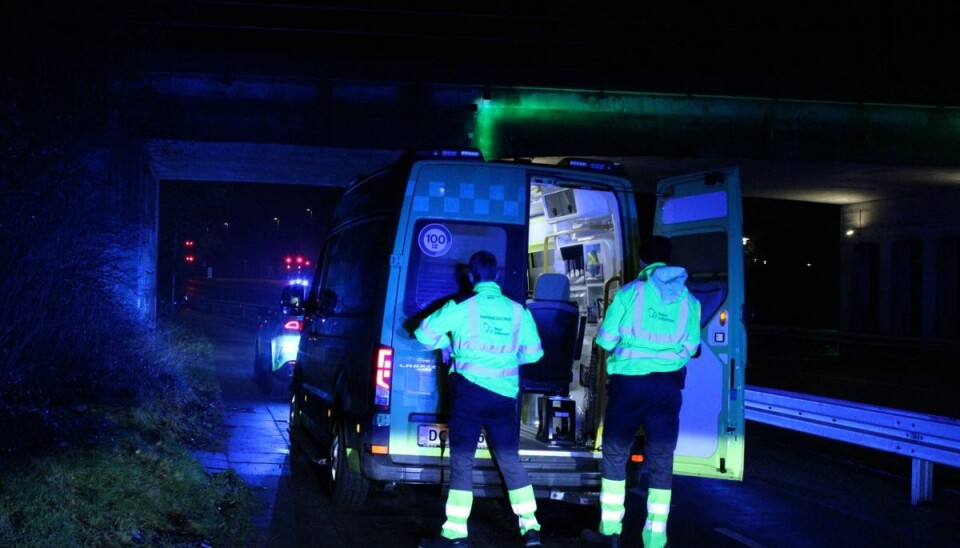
(435, 240)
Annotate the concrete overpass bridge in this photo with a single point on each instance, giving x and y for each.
(314, 95)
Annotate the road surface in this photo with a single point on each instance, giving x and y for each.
(797, 491)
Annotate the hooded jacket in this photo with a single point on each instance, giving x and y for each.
(653, 323)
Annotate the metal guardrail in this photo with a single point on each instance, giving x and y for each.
(925, 439)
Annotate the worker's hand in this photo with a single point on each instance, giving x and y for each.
(445, 354)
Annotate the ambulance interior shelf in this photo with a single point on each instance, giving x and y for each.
(583, 260)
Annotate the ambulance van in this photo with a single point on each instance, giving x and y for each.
(370, 404)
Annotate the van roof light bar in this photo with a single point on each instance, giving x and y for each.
(592, 164)
(467, 153)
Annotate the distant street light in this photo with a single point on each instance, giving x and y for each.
(310, 212)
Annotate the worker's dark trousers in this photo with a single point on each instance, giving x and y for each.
(474, 408)
(652, 401)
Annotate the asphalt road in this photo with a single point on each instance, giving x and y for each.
(797, 491)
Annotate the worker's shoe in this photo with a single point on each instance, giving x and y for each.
(441, 541)
(594, 538)
(531, 539)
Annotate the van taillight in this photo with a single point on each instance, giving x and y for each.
(292, 325)
(384, 377)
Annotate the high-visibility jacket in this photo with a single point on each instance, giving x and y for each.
(492, 337)
(652, 325)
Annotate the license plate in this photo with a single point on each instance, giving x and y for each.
(430, 435)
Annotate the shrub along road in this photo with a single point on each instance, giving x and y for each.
(791, 495)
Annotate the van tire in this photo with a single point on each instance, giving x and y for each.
(294, 421)
(347, 487)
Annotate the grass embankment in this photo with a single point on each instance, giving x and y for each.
(126, 475)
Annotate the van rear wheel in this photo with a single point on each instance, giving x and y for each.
(347, 487)
(294, 422)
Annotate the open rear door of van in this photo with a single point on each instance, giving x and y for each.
(702, 214)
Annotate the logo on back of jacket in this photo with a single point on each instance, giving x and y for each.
(491, 325)
(655, 314)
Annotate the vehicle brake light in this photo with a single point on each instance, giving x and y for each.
(293, 325)
(383, 376)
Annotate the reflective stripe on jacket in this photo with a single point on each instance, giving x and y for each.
(652, 325)
(492, 336)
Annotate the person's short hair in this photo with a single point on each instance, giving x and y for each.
(656, 250)
(483, 267)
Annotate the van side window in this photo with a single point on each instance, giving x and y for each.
(354, 269)
(311, 298)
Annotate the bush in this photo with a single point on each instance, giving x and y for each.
(124, 476)
(156, 496)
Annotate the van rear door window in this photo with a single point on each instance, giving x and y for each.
(440, 253)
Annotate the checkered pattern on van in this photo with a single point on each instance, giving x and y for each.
(469, 201)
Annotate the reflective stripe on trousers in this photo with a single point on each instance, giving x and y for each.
(612, 496)
(658, 510)
(524, 505)
(459, 504)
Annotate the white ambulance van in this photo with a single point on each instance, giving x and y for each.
(370, 404)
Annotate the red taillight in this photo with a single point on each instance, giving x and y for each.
(292, 325)
(384, 376)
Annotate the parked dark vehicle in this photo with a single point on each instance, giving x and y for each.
(278, 336)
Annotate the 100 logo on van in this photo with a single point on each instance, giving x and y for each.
(435, 240)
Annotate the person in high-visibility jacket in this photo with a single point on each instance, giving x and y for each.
(651, 329)
(491, 337)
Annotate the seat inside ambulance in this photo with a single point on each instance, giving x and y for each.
(558, 321)
(560, 327)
